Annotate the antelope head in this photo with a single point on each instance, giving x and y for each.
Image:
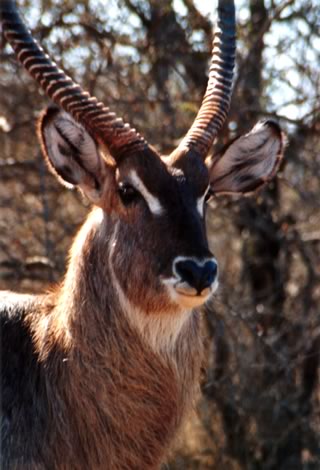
(153, 206)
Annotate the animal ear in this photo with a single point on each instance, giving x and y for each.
(71, 152)
(249, 162)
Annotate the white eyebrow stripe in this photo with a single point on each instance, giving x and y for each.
(200, 202)
(152, 201)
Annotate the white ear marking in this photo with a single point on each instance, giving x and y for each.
(153, 202)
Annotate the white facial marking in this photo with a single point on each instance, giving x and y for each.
(177, 172)
(200, 202)
(152, 201)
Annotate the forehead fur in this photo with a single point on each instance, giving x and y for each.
(194, 170)
(161, 175)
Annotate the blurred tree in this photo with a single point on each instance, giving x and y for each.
(148, 61)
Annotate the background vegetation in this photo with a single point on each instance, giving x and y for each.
(148, 60)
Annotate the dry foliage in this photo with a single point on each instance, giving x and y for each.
(259, 407)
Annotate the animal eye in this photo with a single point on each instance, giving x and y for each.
(128, 194)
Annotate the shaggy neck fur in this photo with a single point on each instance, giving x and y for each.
(117, 387)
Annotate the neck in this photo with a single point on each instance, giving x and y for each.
(91, 296)
(121, 372)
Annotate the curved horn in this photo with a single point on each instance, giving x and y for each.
(216, 101)
(93, 115)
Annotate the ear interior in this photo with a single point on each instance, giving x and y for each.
(71, 152)
(248, 162)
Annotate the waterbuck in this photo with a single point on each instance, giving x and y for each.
(99, 373)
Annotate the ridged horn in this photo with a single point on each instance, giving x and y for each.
(216, 102)
(99, 121)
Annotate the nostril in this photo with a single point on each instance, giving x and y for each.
(189, 271)
(210, 272)
(196, 274)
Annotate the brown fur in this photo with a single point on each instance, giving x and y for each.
(99, 374)
(113, 401)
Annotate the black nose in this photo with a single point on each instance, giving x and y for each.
(197, 275)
